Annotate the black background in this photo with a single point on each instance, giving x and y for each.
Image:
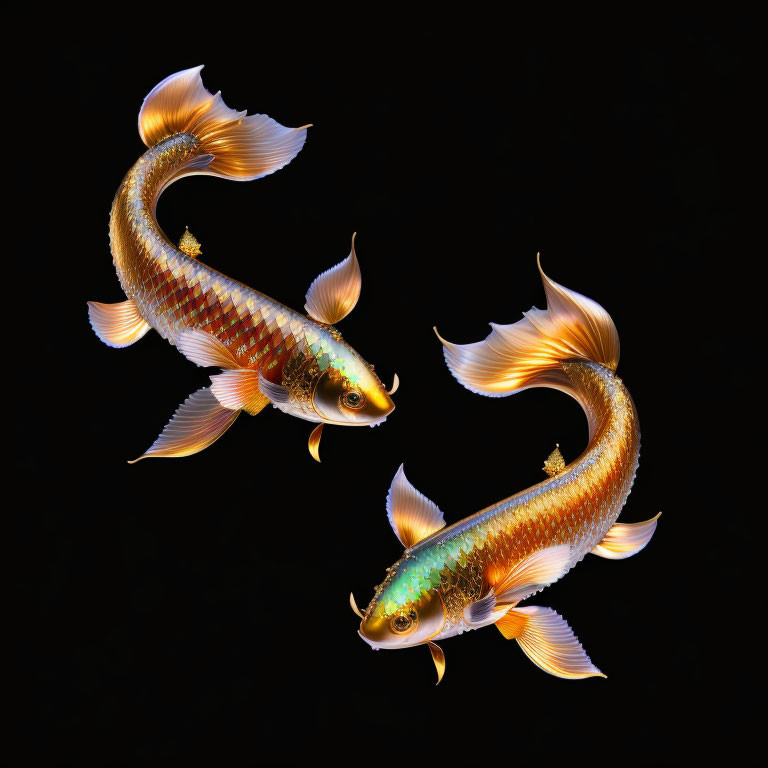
(197, 608)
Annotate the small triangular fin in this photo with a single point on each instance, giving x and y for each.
(411, 514)
(189, 244)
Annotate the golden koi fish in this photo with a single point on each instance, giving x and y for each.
(268, 353)
(477, 571)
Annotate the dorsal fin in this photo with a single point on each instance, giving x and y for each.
(412, 515)
(334, 293)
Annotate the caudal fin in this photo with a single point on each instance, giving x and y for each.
(243, 147)
(531, 352)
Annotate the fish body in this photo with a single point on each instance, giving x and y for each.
(475, 572)
(269, 352)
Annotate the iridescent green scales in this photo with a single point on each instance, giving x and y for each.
(423, 569)
(330, 355)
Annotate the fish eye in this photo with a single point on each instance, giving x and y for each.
(352, 399)
(402, 623)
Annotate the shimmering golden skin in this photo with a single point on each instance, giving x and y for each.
(576, 507)
(175, 292)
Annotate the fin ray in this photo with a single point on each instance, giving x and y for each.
(205, 350)
(411, 514)
(198, 422)
(626, 539)
(538, 570)
(334, 293)
(530, 353)
(548, 641)
(117, 325)
(243, 146)
(239, 389)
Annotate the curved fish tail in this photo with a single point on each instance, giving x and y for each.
(235, 145)
(531, 352)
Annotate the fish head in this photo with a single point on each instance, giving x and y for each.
(326, 381)
(389, 625)
(351, 395)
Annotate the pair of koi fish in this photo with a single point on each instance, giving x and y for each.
(449, 579)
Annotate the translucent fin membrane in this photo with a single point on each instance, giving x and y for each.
(530, 353)
(243, 147)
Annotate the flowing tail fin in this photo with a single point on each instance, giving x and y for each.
(242, 147)
(531, 352)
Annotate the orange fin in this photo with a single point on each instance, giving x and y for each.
(411, 514)
(532, 574)
(314, 441)
(548, 641)
(239, 389)
(205, 349)
(439, 658)
(626, 539)
(198, 422)
(334, 293)
(189, 244)
(118, 325)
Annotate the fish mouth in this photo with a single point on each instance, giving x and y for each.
(369, 641)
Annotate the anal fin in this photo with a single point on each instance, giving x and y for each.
(117, 325)
(199, 421)
(626, 539)
(548, 641)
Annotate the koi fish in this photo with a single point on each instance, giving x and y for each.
(475, 573)
(268, 353)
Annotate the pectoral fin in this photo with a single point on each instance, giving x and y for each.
(239, 389)
(277, 394)
(530, 575)
(626, 539)
(548, 641)
(334, 293)
(199, 421)
(439, 658)
(117, 325)
(484, 611)
(411, 514)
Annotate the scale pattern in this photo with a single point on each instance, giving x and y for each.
(175, 292)
(576, 507)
